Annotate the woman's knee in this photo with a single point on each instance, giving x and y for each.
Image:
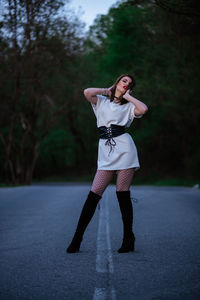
(97, 191)
(122, 189)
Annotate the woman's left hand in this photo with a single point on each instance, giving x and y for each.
(140, 107)
(127, 94)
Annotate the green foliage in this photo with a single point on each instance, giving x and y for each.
(40, 54)
(56, 150)
(46, 65)
(160, 49)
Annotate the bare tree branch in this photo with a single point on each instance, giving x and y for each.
(178, 7)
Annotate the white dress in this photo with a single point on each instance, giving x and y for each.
(124, 154)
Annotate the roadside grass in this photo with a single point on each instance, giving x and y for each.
(154, 181)
(8, 185)
(170, 182)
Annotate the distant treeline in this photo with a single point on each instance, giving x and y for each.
(47, 127)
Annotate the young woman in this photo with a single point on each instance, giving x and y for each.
(117, 153)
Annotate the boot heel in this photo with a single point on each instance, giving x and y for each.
(74, 247)
(127, 246)
(125, 204)
(87, 213)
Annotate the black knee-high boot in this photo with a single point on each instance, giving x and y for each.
(126, 209)
(86, 215)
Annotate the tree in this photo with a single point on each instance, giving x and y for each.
(160, 48)
(36, 58)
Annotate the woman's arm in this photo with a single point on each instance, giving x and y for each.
(90, 93)
(140, 107)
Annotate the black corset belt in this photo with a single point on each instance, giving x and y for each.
(108, 133)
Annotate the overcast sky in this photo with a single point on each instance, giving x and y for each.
(91, 8)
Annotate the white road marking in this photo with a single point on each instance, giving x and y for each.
(109, 253)
(100, 294)
(104, 261)
(104, 294)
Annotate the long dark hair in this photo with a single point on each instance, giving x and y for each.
(130, 87)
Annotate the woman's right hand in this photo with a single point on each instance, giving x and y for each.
(109, 90)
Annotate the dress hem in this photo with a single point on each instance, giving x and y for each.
(114, 169)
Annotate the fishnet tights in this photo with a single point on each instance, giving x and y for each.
(103, 178)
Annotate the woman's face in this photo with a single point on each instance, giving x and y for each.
(123, 84)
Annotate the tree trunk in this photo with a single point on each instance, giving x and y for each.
(30, 169)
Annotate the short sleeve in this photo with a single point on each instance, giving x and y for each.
(133, 111)
(96, 106)
(131, 114)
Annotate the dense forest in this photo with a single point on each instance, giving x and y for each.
(47, 127)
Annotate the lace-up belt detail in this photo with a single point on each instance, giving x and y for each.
(109, 132)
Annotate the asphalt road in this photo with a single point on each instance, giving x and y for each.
(37, 224)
